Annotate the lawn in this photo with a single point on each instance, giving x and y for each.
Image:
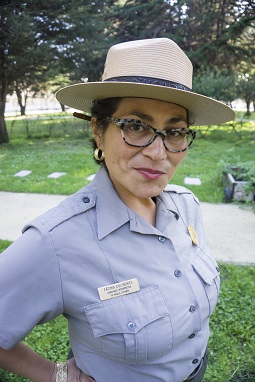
(53, 143)
(63, 145)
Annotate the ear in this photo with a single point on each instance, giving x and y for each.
(97, 133)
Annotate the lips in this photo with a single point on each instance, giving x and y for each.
(150, 173)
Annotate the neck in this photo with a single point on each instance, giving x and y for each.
(146, 208)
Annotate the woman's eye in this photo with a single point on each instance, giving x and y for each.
(175, 133)
(135, 127)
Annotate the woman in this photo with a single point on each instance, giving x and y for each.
(125, 259)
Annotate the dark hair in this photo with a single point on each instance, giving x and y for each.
(100, 109)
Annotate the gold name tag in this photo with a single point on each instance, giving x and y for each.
(118, 289)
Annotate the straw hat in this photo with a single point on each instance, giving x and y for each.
(154, 68)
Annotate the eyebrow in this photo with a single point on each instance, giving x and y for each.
(148, 117)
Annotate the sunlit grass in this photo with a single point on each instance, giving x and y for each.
(66, 148)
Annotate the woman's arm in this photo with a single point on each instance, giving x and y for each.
(25, 362)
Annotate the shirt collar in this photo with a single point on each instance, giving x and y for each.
(112, 213)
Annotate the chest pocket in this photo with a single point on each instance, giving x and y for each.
(134, 328)
(209, 276)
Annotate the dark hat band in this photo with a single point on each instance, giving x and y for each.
(150, 81)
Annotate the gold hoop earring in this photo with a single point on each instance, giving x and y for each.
(99, 155)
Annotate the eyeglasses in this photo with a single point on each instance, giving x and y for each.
(138, 134)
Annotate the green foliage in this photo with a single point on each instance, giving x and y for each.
(216, 84)
(89, 38)
(49, 340)
(4, 244)
(246, 88)
(28, 44)
(232, 342)
(202, 161)
(241, 171)
(75, 36)
(219, 33)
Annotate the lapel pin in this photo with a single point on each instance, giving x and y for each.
(193, 235)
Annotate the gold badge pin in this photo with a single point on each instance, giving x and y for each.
(193, 235)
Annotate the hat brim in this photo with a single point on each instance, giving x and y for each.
(203, 110)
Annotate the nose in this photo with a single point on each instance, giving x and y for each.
(156, 150)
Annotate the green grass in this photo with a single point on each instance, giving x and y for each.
(232, 341)
(44, 157)
(205, 156)
(67, 149)
(63, 144)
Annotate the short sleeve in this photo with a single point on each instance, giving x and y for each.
(30, 286)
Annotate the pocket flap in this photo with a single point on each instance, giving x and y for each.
(205, 269)
(126, 314)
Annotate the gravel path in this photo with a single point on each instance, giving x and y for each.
(230, 229)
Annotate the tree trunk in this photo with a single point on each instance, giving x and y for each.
(22, 100)
(4, 138)
(22, 110)
(248, 107)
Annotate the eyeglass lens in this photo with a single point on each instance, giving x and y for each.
(137, 134)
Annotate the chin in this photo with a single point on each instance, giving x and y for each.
(152, 192)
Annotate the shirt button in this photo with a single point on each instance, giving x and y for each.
(86, 199)
(161, 239)
(131, 326)
(192, 308)
(195, 361)
(177, 273)
(192, 335)
(217, 269)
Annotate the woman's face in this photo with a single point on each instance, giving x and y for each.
(141, 172)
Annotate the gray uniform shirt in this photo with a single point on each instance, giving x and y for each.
(92, 240)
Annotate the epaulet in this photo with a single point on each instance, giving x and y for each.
(177, 189)
(174, 189)
(73, 205)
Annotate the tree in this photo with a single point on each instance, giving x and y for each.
(139, 19)
(218, 36)
(30, 83)
(216, 84)
(40, 40)
(219, 33)
(212, 33)
(28, 32)
(246, 89)
(89, 39)
(56, 82)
